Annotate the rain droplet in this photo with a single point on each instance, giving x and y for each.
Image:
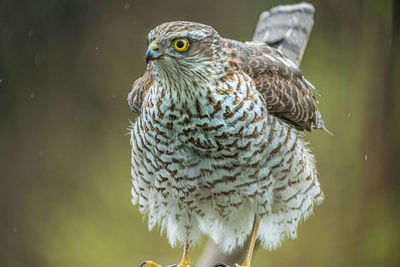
(97, 48)
(127, 6)
(349, 115)
(32, 95)
(365, 157)
(31, 33)
(40, 57)
(40, 153)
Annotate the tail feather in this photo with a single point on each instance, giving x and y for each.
(286, 28)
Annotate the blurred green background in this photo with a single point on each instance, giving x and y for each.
(66, 68)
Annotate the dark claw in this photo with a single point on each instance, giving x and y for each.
(144, 264)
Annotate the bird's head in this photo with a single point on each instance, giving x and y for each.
(182, 49)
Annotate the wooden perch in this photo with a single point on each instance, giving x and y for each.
(286, 28)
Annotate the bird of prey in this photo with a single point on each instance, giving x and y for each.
(218, 146)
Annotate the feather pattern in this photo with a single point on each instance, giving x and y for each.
(288, 95)
(211, 148)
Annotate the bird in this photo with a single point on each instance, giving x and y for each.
(217, 145)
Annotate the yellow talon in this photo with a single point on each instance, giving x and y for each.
(184, 263)
(150, 264)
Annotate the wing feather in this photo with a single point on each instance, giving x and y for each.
(288, 95)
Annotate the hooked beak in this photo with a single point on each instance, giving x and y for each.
(152, 52)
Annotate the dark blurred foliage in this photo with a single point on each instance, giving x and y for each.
(66, 68)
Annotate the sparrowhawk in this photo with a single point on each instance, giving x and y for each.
(217, 146)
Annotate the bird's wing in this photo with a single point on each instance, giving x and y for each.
(288, 95)
(139, 89)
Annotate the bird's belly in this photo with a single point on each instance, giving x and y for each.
(208, 160)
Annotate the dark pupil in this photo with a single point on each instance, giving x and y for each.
(180, 44)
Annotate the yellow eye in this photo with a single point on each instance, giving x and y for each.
(180, 44)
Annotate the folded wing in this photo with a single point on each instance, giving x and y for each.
(288, 95)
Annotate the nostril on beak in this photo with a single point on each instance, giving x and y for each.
(154, 46)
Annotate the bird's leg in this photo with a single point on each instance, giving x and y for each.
(252, 243)
(250, 248)
(185, 260)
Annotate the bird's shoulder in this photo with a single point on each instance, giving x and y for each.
(139, 89)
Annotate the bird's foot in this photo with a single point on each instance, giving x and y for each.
(153, 264)
(184, 263)
(150, 264)
(226, 265)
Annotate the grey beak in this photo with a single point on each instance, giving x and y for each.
(151, 54)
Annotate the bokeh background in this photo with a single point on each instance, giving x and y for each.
(66, 68)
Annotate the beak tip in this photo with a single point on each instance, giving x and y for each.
(151, 54)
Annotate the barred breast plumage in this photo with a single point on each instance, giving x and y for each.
(209, 152)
